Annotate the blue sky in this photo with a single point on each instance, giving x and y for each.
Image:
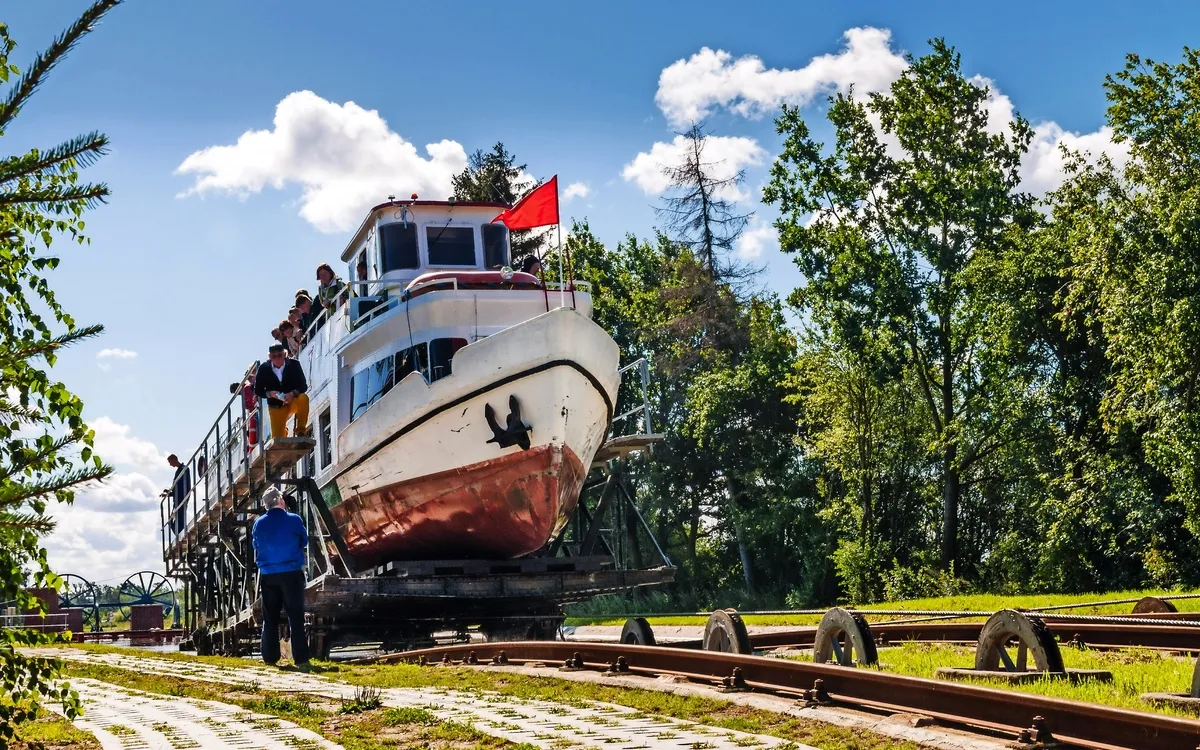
(191, 283)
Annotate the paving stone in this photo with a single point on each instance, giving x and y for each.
(539, 723)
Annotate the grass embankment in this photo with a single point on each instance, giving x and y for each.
(708, 711)
(966, 602)
(1135, 671)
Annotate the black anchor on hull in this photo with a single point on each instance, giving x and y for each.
(515, 433)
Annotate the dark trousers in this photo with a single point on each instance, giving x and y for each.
(286, 591)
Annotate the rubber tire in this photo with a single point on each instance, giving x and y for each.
(637, 632)
(725, 632)
(838, 622)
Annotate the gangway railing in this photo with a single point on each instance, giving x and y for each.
(641, 389)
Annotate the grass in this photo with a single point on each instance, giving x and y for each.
(50, 730)
(1135, 671)
(358, 731)
(972, 602)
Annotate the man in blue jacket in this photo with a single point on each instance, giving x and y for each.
(280, 541)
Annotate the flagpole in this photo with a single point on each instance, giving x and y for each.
(562, 290)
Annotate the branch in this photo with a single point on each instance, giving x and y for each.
(91, 195)
(14, 494)
(45, 62)
(83, 151)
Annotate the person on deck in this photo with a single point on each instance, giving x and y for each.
(280, 542)
(287, 337)
(281, 381)
(531, 264)
(330, 288)
(307, 313)
(181, 485)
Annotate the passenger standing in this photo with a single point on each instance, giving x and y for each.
(531, 264)
(330, 288)
(307, 314)
(281, 381)
(181, 485)
(280, 543)
(287, 337)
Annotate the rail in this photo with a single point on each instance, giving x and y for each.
(1024, 716)
(642, 367)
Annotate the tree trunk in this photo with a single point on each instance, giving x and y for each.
(743, 552)
(950, 507)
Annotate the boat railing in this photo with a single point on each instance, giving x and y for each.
(224, 456)
(640, 369)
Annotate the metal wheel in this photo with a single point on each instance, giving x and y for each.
(637, 632)
(1032, 636)
(844, 637)
(726, 632)
(1149, 604)
(80, 592)
(146, 587)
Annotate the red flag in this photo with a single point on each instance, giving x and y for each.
(537, 209)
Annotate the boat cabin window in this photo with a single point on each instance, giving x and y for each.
(325, 428)
(450, 246)
(398, 246)
(369, 385)
(441, 351)
(495, 246)
(408, 360)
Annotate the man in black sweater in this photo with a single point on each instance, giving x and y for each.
(281, 381)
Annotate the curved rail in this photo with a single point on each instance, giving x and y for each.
(1020, 714)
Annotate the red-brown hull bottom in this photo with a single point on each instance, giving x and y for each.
(497, 509)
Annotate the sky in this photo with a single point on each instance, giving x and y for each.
(248, 138)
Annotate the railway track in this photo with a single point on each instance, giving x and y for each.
(1030, 720)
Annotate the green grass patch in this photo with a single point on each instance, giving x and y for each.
(49, 730)
(966, 602)
(1135, 671)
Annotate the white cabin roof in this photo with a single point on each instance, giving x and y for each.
(420, 210)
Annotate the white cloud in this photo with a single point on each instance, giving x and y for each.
(112, 528)
(757, 238)
(726, 156)
(116, 354)
(576, 190)
(344, 158)
(115, 445)
(689, 89)
(105, 357)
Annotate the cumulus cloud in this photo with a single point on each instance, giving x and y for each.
(343, 157)
(112, 528)
(725, 155)
(105, 357)
(689, 89)
(576, 190)
(757, 238)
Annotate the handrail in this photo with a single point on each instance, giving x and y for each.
(643, 367)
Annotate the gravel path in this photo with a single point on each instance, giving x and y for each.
(539, 723)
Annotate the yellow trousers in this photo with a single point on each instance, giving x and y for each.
(281, 414)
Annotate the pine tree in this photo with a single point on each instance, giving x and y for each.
(495, 176)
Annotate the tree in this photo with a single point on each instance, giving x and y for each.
(40, 198)
(494, 176)
(698, 212)
(897, 229)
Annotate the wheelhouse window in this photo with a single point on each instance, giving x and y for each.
(410, 360)
(495, 245)
(325, 427)
(369, 385)
(450, 246)
(398, 246)
(441, 352)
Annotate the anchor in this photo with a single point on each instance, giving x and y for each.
(515, 433)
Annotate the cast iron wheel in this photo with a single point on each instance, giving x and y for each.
(844, 637)
(637, 632)
(725, 632)
(1032, 636)
(1149, 604)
